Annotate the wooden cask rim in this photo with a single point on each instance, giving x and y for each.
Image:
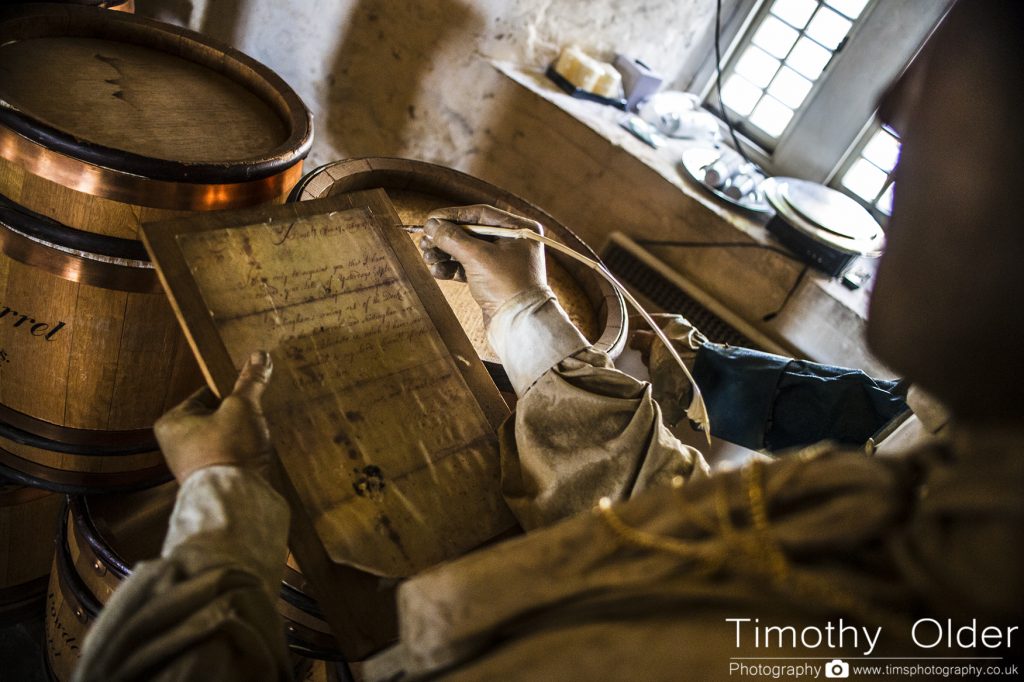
(356, 174)
(63, 156)
(76, 255)
(111, 566)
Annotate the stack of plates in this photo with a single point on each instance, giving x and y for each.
(826, 226)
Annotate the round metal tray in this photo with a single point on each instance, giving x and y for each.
(775, 192)
(696, 159)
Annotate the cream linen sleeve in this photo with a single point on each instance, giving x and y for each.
(582, 429)
(205, 608)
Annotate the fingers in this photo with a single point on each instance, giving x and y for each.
(483, 214)
(453, 240)
(254, 377)
(448, 269)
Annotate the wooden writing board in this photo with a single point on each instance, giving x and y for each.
(383, 417)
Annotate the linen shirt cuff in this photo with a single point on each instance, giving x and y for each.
(531, 333)
(234, 516)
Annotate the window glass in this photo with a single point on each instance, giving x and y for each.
(786, 51)
(884, 202)
(851, 8)
(796, 13)
(757, 66)
(775, 37)
(828, 28)
(771, 116)
(883, 150)
(740, 95)
(864, 179)
(790, 87)
(809, 58)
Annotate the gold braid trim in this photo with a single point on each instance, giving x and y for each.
(753, 552)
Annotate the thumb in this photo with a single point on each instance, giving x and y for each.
(453, 240)
(254, 377)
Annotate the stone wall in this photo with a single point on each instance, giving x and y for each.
(412, 79)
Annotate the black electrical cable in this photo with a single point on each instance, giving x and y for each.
(718, 81)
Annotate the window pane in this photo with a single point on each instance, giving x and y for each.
(758, 66)
(775, 37)
(851, 8)
(828, 28)
(883, 150)
(864, 179)
(740, 95)
(809, 58)
(790, 87)
(771, 116)
(794, 12)
(884, 202)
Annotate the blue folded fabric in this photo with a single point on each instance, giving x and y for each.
(769, 402)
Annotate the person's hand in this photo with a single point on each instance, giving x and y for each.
(495, 270)
(669, 385)
(197, 433)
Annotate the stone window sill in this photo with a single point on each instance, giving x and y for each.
(821, 319)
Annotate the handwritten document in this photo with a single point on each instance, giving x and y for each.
(392, 456)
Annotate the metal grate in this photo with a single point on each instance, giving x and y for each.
(669, 297)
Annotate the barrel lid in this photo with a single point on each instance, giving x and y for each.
(145, 98)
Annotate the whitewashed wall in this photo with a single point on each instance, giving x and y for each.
(410, 77)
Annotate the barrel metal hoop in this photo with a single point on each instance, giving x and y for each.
(72, 587)
(139, 190)
(44, 229)
(21, 240)
(27, 430)
(30, 473)
(83, 22)
(78, 506)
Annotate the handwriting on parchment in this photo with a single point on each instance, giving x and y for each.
(363, 382)
(324, 292)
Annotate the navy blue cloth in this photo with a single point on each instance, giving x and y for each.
(764, 401)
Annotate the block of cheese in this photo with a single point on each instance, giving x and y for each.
(587, 73)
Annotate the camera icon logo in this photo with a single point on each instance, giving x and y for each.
(837, 669)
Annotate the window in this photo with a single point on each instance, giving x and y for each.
(801, 77)
(867, 173)
(778, 66)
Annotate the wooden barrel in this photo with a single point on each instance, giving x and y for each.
(417, 187)
(103, 536)
(28, 520)
(153, 121)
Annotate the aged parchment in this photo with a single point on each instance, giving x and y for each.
(394, 459)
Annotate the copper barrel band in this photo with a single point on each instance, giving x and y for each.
(136, 189)
(129, 177)
(76, 255)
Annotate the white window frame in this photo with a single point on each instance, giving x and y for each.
(831, 120)
(836, 177)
